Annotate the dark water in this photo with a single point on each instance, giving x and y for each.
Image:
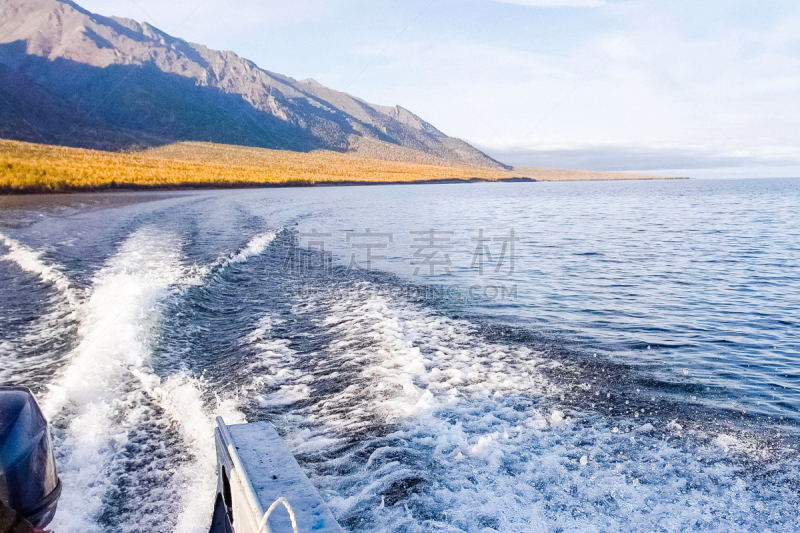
(631, 365)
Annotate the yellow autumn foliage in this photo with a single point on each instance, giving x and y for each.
(29, 166)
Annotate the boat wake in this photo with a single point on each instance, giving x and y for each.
(412, 421)
(34, 354)
(405, 418)
(135, 450)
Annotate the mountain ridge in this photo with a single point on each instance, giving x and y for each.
(122, 84)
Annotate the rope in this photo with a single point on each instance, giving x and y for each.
(262, 526)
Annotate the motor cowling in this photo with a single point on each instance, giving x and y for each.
(29, 483)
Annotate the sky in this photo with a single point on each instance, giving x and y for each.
(695, 88)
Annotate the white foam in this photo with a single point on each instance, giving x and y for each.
(121, 315)
(272, 366)
(30, 260)
(117, 329)
(118, 320)
(25, 361)
(385, 341)
(181, 398)
(256, 246)
(99, 388)
(105, 388)
(486, 430)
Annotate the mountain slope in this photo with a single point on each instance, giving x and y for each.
(120, 83)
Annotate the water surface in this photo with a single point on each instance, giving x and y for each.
(636, 369)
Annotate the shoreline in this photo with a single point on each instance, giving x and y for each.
(30, 168)
(204, 186)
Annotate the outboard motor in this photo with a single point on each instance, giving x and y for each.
(29, 483)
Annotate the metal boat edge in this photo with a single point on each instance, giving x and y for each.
(260, 486)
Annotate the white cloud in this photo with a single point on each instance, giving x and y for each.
(556, 3)
(678, 159)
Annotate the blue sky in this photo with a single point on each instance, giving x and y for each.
(694, 88)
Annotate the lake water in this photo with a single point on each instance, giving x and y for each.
(604, 356)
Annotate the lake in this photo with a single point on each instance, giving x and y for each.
(580, 356)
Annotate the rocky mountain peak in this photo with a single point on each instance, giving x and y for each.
(133, 77)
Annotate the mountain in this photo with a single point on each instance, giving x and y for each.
(71, 77)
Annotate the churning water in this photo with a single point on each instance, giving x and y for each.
(490, 357)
